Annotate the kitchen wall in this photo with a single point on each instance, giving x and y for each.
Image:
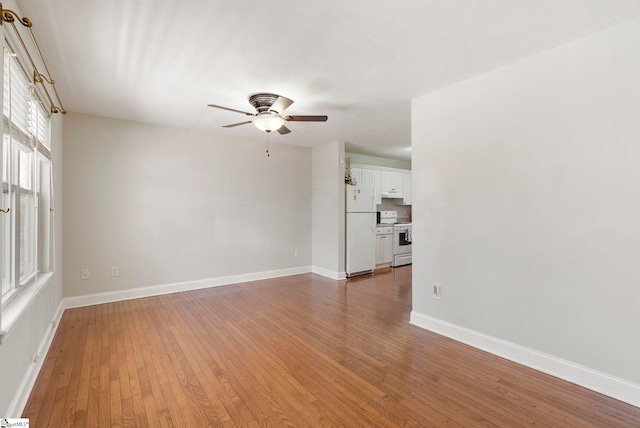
(378, 161)
(170, 205)
(526, 200)
(328, 190)
(404, 211)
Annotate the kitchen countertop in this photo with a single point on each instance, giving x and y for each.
(390, 225)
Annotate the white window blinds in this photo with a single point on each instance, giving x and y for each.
(26, 224)
(43, 126)
(16, 103)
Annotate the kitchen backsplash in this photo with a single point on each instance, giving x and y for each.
(404, 211)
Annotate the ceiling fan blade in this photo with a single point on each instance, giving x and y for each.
(299, 118)
(283, 130)
(231, 109)
(237, 124)
(281, 104)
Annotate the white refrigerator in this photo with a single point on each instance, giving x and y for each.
(361, 225)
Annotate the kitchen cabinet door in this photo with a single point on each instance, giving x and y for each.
(384, 249)
(387, 249)
(356, 176)
(376, 177)
(392, 184)
(380, 249)
(367, 178)
(373, 178)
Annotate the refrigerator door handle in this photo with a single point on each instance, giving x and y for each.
(373, 208)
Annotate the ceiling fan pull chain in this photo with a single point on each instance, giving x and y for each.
(268, 155)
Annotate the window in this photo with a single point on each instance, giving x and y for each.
(25, 223)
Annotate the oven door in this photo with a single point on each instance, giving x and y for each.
(401, 241)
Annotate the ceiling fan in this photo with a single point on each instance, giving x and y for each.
(268, 116)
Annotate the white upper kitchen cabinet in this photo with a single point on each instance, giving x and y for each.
(387, 182)
(356, 176)
(392, 184)
(373, 178)
(377, 184)
(367, 179)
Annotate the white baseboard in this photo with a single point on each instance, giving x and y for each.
(329, 273)
(611, 386)
(157, 290)
(17, 405)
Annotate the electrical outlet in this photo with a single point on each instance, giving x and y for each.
(437, 291)
(115, 271)
(84, 274)
(296, 253)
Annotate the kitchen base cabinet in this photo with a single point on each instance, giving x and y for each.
(384, 246)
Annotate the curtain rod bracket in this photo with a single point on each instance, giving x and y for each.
(11, 17)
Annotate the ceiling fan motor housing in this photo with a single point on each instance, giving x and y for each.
(262, 101)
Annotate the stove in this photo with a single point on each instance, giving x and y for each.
(387, 217)
(402, 237)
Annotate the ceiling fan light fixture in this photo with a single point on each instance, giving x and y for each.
(269, 113)
(268, 122)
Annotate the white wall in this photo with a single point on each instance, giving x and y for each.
(29, 337)
(169, 205)
(378, 161)
(328, 210)
(526, 200)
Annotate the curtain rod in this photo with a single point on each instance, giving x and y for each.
(10, 17)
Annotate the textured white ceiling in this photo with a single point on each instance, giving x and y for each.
(358, 61)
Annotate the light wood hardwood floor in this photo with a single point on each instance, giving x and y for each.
(295, 351)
